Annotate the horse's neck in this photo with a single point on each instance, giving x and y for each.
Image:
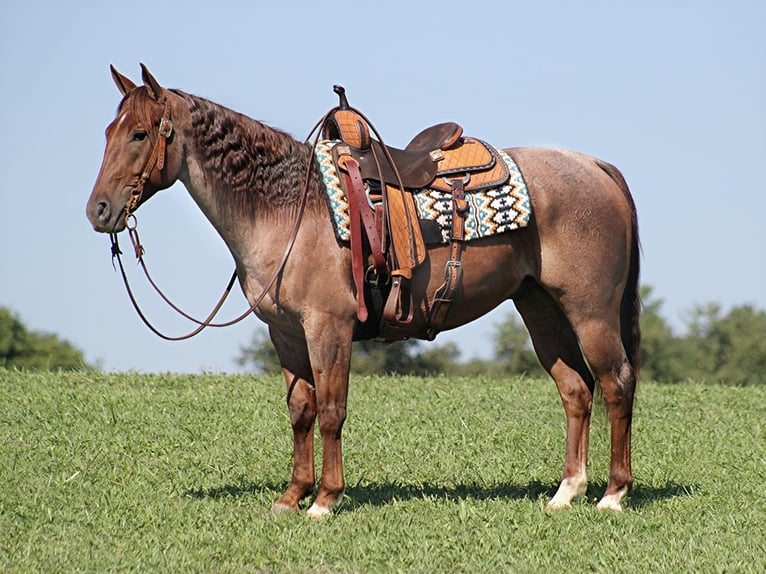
(245, 176)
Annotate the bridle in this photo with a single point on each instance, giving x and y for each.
(156, 160)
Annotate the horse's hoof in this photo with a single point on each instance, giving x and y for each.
(612, 501)
(608, 503)
(317, 512)
(569, 489)
(554, 505)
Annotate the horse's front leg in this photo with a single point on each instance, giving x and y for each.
(301, 403)
(329, 344)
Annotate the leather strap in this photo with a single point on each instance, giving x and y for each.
(357, 255)
(445, 296)
(359, 198)
(408, 245)
(361, 215)
(156, 160)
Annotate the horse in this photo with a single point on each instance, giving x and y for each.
(572, 273)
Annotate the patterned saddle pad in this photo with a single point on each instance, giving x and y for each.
(491, 211)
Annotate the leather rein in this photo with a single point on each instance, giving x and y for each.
(157, 161)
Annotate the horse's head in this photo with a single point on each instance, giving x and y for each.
(140, 158)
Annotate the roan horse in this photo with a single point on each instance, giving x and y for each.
(572, 273)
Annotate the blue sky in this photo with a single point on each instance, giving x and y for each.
(673, 93)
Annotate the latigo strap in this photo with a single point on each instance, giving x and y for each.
(445, 296)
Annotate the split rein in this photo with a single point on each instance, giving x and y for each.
(157, 160)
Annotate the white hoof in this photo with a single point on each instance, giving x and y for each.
(569, 489)
(613, 501)
(556, 505)
(318, 512)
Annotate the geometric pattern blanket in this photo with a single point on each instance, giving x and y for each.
(490, 212)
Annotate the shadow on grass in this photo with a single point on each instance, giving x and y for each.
(236, 490)
(644, 496)
(382, 494)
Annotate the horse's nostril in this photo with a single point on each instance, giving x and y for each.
(102, 210)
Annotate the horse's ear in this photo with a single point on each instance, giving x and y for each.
(123, 83)
(152, 85)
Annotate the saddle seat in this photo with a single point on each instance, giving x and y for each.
(413, 167)
(434, 156)
(417, 163)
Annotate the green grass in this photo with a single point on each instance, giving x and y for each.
(165, 473)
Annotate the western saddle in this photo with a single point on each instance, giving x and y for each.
(387, 241)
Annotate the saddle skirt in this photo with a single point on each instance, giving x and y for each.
(496, 192)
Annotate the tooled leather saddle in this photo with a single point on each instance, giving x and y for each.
(387, 241)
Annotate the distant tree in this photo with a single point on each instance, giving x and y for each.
(432, 359)
(730, 348)
(661, 352)
(514, 354)
(24, 349)
(368, 357)
(259, 355)
(408, 357)
(371, 357)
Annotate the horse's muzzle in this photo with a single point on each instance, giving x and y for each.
(103, 217)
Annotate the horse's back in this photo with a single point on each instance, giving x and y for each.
(575, 196)
(560, 178)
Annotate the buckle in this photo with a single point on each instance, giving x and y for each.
(166, 127)
(374, 279)
(436, 155)
(452, 182)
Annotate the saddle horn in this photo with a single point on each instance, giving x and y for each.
(346, 124)
(341, 91)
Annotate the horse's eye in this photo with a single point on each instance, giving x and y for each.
(139, 136)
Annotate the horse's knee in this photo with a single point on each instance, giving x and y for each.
(331, 419)
(302, 414)
(301, 402)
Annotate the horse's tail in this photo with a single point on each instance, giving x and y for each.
(630, 308)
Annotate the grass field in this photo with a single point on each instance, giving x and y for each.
(166, 473)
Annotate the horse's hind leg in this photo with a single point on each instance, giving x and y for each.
(557, 348)
(601, 343)
(301, 403)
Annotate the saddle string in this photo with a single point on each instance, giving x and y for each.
(158, 156)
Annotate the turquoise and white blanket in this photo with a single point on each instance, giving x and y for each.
(490, 212)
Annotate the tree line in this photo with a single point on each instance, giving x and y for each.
(716, 346)
(21, 348)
